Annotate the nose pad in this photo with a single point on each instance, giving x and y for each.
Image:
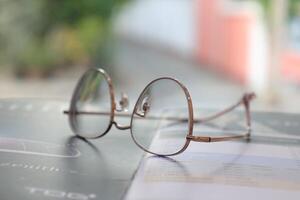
(123, 103)
(143, 110)
(146, 108)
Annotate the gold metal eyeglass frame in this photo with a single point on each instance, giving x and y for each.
(245, 101)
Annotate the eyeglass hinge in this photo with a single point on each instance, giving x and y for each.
(198, 138)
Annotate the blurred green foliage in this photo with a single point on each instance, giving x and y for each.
(43, 35)
(294, 7)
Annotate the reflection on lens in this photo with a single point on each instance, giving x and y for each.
(160, 120)
(91, 105)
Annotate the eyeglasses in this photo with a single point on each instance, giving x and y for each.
(164, 103)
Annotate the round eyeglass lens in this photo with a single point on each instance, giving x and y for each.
(90, 112)
(161, 118)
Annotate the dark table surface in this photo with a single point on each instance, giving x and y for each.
(42, 159)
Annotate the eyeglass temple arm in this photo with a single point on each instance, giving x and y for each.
(245, 100)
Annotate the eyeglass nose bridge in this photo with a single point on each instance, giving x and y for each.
(121, 127)
(122, 106)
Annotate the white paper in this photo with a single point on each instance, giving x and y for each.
(223, 170)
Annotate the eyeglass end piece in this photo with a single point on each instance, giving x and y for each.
(250, 96)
